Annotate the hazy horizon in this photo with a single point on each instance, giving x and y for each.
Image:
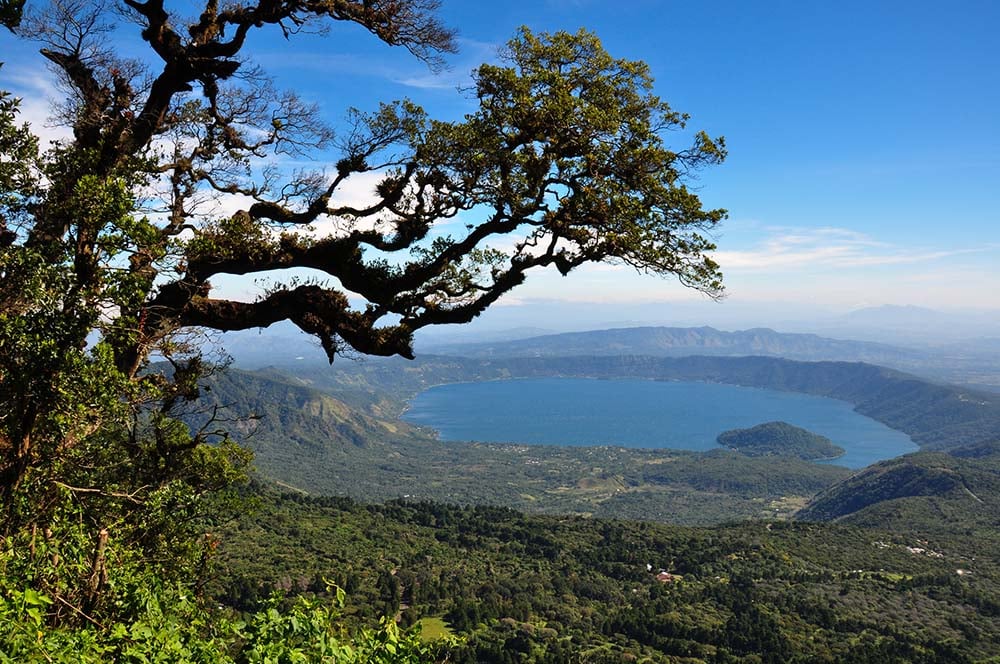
(907, 324)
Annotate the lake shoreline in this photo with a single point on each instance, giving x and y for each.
(878, 442)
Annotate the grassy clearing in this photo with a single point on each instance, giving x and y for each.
(433, 629)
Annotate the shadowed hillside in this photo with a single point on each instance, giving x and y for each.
(927, 492)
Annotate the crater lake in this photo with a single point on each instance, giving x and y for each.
(641, 413)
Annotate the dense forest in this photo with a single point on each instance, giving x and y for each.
(516, 588)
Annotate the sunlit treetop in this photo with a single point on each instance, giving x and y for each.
(565, 162)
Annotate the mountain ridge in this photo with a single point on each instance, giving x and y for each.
(928, 492)
(678, 341)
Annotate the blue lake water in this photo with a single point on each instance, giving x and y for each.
(640, 413)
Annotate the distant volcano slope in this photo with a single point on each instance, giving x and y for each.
(682, 341)
(926, 492)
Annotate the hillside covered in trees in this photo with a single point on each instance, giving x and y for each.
(780, 439)
(516, 588)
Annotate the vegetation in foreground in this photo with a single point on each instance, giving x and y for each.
(516, 588)
(154, 620)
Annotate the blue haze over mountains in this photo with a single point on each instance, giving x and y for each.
(679, 341)
(909, 325)
(968, 360)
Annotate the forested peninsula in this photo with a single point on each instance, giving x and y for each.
(780, 439)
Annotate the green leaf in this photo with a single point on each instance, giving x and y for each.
(34, 598)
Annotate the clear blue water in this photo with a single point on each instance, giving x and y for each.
(639, 413)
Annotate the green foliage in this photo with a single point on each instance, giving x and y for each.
(97, 474)
(305, 633)
(17, 182)
(562, 589)
(168, 625)
(562, 120)
(781, 439)
(142, 617)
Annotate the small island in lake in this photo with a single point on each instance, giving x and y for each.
(780, 439)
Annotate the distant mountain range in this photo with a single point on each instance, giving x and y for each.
(681, 341)
(969, 363)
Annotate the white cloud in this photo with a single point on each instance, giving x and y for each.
(457, 75)
(222, 206)
(38, 93)
(449, 81)
(826, 248)
(358, 191)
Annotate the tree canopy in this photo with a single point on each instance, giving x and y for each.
(564, 161)
(108, 250)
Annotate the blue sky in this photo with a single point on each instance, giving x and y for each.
(863, 138)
